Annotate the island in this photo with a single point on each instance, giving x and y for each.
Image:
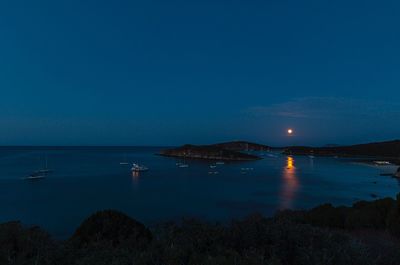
(230, 151)
(388, 150)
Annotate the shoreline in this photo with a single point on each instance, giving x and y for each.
(210, 158)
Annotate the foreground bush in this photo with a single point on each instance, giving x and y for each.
(25, 246)
(366, 234)
(112, 228)
(383, 214)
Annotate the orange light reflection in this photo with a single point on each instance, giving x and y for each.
(290, 184)
(135, 176)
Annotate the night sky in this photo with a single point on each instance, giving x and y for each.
(173, 72)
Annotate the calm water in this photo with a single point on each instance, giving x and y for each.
(89, 179)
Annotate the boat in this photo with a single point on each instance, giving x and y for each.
(35, 176)
(382, 163)
(39, 174)
(139, 168)
(182, 164)
(213, 166)
(220, 163)
(311, 156)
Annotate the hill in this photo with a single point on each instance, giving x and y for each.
(209, 152)
(388, 149)
(243, 146)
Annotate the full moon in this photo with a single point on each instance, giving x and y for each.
(289, 131)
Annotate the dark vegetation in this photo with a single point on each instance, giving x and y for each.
(366, 233)
(389, 149)
(211, 152)
(243, 146)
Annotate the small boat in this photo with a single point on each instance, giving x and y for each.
(35, 176)
(139, 168)
(220, 163)
(39, 174)
(213, 166)
(311, 156)
(182, 164)
(382, 163)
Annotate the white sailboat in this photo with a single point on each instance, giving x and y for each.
(183, 165)
(41, 173)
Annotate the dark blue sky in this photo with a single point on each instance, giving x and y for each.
(171, 72)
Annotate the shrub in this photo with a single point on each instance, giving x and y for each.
(19, 245)
(112, 228)
(370, 214)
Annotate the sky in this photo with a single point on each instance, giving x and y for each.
(174, 72)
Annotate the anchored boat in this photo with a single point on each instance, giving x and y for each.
(139, 168)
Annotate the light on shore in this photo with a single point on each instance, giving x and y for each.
(290, 131)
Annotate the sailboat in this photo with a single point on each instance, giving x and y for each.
(183, 165)
(41, 173)
(34, 176)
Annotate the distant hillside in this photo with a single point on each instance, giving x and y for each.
(389, 149)
(211, 152)
(243, 146)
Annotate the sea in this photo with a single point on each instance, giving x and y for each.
(89, 179)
